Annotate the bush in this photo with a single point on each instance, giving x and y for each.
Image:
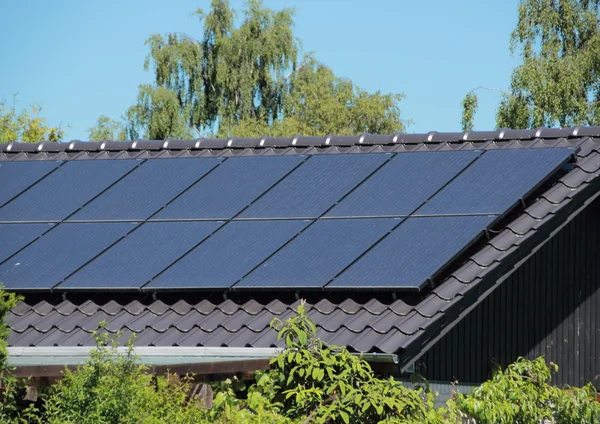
(522, 394)
(308, 382)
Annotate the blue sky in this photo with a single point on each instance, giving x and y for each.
(80, 59)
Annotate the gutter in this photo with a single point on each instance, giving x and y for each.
(195, 359)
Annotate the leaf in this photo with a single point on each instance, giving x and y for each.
(345, 417)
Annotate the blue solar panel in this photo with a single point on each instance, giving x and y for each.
(404, 183)
(228, 255)
(318, 254)
(145, 190)
(14, 237)
(315, 186)
(230, 187)
(61, 251)
(65, 190)
(141, 255)
(413, 253)
(496, 181)
(17, 176)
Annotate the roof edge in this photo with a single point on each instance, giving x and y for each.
(433, 137)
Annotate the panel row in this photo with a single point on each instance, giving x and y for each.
(298, 187)
(364, 253)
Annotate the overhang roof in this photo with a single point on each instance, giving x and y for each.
(375, 322)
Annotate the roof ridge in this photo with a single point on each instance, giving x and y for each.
(432, 137)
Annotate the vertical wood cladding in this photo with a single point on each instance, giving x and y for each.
(549, 306)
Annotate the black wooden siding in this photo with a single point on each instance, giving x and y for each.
(549, 306)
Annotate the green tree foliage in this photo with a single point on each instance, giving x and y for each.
(316, 102)
(7, 302)
(330, 385)
(469, 105)
(243, 77)
(107, 129)
(26, 126)
(559, 79)
(157, 115)
(522, 394)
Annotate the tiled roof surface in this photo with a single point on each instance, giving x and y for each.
(372, 326)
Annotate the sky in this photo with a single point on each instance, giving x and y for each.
(82, 59)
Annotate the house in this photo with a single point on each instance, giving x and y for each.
(446, 252)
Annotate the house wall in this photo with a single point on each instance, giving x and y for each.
(549, 306)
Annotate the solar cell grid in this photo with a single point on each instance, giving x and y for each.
(230, 187)
(412, 253)
(17, 176)
(67, 189)
(496, 181)
(61, 251)
(315, 186)
(318, 254)
(404, 183)
(228, 255)
(14, 237)
(145, 190)
(143, 254)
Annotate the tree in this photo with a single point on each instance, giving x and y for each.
(245, 79)
(107, 129)
(558, 82)
(26, 126)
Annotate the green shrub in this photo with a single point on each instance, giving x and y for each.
(330, 385)
(522, 394)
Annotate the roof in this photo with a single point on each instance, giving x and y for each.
(397, 321)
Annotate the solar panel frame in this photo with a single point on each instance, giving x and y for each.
(417, 250)
(136, 259)
(228, 255)
(148, 188)
(17, 177)
(64, 249)
(403, 184)
(318, 254)
(14, 237)
(66, 190)
(230, 188)
(476, 190)
(316, 186)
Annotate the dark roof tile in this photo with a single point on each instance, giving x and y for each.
(468, 272)
(158, 307)
(412, 323)
(504, 240)
(20, 309)
(324, 306)
(540, 209)
(135, 307)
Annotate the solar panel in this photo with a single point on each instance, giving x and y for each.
(318, 254)
(14, 237)
(315, 186)
(145, 190)
(230, 187)
(59, 253)
(65, 190)
(141, 255)
(404, 183)
(228, 255)
(496, 181)
(17, 176)
(413, 253)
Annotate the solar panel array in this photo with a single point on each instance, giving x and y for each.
(370, 221)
